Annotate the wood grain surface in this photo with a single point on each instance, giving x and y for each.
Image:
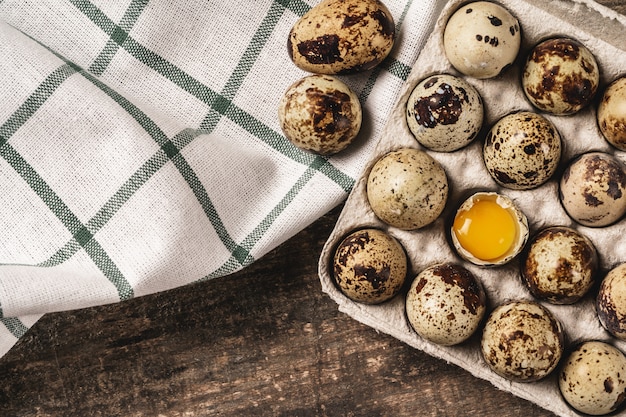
(262, 342)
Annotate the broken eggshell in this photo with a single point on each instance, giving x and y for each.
(475, 231)
(342, 37)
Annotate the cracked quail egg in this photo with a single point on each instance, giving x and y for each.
(593, 189)
(444, 113)
(370, 266)
(482, 39)
(522, 341)
(560, 265)
(561, 76)
(407, 189)
(612, 114)
(342, 36)
(321, 114)
(522, 150)
(445, 304)
(489, 229)
(593, 378)
(611, 302)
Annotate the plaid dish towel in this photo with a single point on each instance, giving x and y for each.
(140, 148)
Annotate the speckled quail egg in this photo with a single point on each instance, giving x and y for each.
(489, 229)
(370, 266)
(342, 36)
(445, 304)
(522, 341)
(612, 114)
(522, 150)
(561, 76)
(407, 189)
(444, 113)
(593, 378)
(321, 114)
(611, 302)
(593, 189)
(482, 39)
(560, 265)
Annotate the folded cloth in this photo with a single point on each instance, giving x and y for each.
(140, 148)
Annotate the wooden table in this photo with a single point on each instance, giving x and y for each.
(265, 342)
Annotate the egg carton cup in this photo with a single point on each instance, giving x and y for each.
(604, 33)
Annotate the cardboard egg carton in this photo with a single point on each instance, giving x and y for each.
(604, 33)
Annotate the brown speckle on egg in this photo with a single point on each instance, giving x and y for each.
(560, 265)
(370, 266)
(612, 114)
(342, 37)
(611, 302)
(319, 113)
(407, 189)
(444, 113)
(482, 39)
(593, 189)
(445, 304)
(561, 76)
(593, 378)
(522, 150)
(522, 341)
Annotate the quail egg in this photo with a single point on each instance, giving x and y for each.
(342, 36)
(482, 39)
(444, 113)
(561, 76)
(370, 266)
(489, 229)
(593, 189)
(612, 114)
(321, 114)
(522, 341)
(593, 378)
(445, 304)
(611, 302)
(560, 265)
(522, 150)
(407, 189)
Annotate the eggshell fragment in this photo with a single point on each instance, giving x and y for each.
(482, 39)
(407, 189)
(612, 114)
(611, 302)
(342, 37)
(522, 151)
(593, 378)
(370, 266)
(485, 219)
(320, 114)
(444, 113)
(445, 304)
(561, 76)
(560, 265)
(593, 189)
(522, 341)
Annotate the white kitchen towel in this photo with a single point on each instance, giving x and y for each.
(140, 148)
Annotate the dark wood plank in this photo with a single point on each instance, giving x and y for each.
(265, 341)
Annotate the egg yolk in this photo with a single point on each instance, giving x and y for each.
(486, 230)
